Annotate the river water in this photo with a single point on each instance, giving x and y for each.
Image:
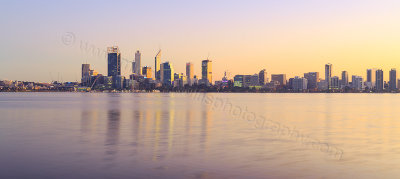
(197, 135)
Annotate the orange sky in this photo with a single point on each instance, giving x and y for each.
(291, 37)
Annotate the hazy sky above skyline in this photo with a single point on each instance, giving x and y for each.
(242, 37)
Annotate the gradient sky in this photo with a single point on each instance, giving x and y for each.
(242, 37)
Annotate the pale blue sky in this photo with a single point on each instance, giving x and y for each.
(243, 37)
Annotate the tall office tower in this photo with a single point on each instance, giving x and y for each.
(134, 67)
(393, 80)
(189, 73)
(138, 65)
(281, 78)
(262, 77)
(357, 83)
(114, 61)
(85, 74)
(146, 72)
(206, 72)
(371, 78)
(299, 83)
(379, 80)
(166, 73)
(328, 74)
(157, 61)
(335, 83)
(345, 79)
(312, 79)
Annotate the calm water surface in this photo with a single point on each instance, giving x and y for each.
(96, 135)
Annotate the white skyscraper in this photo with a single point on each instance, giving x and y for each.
(299, 83)
(138, 66)
(328, 74)
(357, 83)
(371, 78)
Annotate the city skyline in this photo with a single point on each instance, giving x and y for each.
(289, 37)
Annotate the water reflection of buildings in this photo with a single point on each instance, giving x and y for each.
(205, 126)
(164, 128)
(89, 116)
(157, 129)
(113, 126)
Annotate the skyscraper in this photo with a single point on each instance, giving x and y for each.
(371, 78)
(189, 73)
(328, 74)
(335, 83)
(345, 79)
(157, 61)
(281, 78)
(206, 72)
(262, 77)
(393, 80)
(85, 74)
(134, 67)
(138, 65)
(379, 80)
(357, 83)
(146, 72)
(167, 73)
(114, 61)
(85, 70)
(312, 79)
(299, 83)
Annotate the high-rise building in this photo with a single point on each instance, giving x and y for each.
(206, 72)
(134, 67)
(393, 80)
(138, 65)
(281, 78)
(371, 78)
(167, 73)
(328, 74)
(114, 61)
(146, 72)
(85, 70)
(189, 73)
(379, 80)
(312, 79)
(357, 83)
(118, 82)
(85, 74)
(263, 77)
(334, 83)
(157, 67)
(299, 83)
(345, 79)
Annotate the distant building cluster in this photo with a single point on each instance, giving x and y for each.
(163, 78)
(16, 86)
